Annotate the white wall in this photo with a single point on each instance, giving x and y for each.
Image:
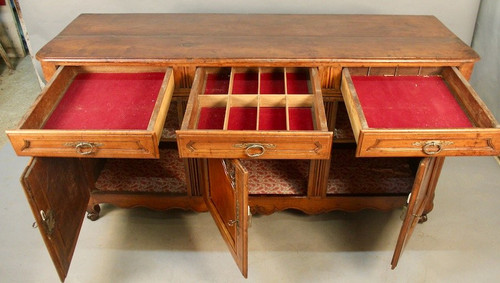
(9, 35)
(486, 76)
(45, 19)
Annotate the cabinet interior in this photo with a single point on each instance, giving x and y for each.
(165, 175)
(174, 118)
(342, 131)
(350, 175)
(277, 176)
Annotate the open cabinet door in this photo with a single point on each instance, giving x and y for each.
(227, 201)
(57, 193)
(421, 194)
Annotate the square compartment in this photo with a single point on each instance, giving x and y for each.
(301, 119)
(217, 81)
(272, 81)
(242, 118)
(272, 118)
(298, 81)
(212, 118)
(245, 81)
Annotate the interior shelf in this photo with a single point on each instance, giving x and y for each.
(277, 177)
(370, 176)
(164, 175)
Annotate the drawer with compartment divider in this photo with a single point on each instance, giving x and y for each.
(271, 113)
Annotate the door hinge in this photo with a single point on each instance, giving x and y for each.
(48, 221)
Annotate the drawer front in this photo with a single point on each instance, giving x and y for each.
(110, 111)
(465, 127)
(263, 146)
(86, 145)
(462, 142)
(272, 113)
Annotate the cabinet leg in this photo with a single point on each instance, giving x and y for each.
(428, 208)
(93, 211)
(432, 185)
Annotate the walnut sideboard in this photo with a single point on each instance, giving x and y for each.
(241, 114)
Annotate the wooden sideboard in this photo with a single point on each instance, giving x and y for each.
(241, 114)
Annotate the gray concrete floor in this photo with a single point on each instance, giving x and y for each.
(18, 89)
(459, 243)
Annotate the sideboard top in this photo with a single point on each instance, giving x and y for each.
(212, 39)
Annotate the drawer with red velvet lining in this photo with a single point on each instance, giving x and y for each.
(271, 113)
(417, 112)
(97, 112)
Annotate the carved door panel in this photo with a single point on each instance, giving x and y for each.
(422, 193)
(58, 195)
(227, 201)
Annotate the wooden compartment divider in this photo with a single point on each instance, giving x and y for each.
(259, 106)
(265, 103)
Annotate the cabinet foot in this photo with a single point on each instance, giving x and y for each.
(93, 212)
(422, 218)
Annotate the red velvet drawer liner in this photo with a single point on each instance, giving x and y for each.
(245, 118)
(217, 83)
(408, 102)
(118, 101)
(272, 118)
(300, 119)
(212, 118)
(272, 83)
(246, 83)
(242, 118)
(297, 83)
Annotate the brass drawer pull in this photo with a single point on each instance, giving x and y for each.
(84, 148)
(432, 147)
(259, 147)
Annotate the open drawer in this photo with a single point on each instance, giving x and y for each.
(97, 112)
(417, 112)
(272, 113)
